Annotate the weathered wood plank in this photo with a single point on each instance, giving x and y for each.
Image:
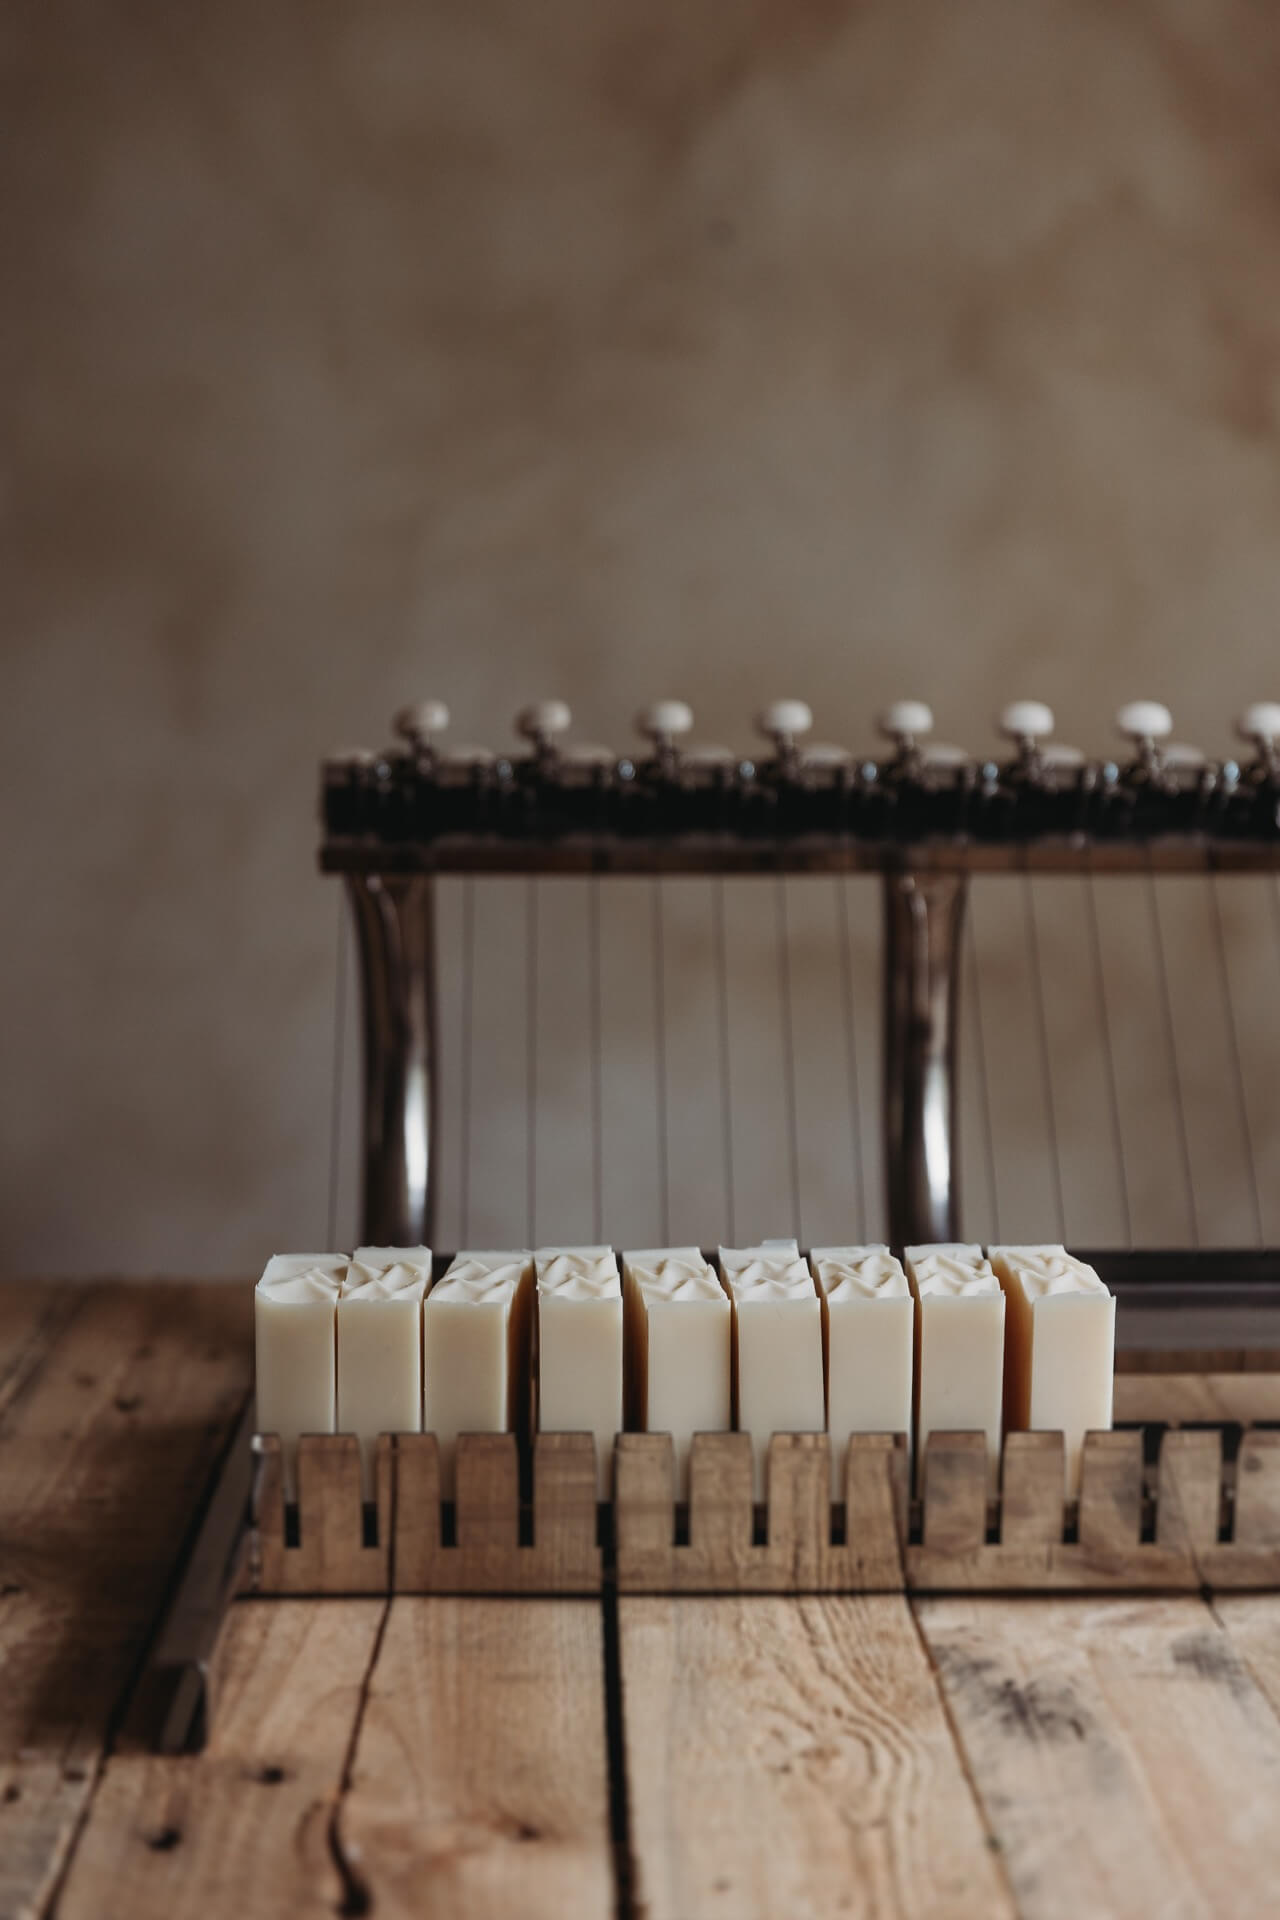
(792, 1758)
(1125, 1759)
(32, 1316)
(246, 1829)
(1252, 1622)
(1197, 1397)
(103, 1459)
(480, 1784)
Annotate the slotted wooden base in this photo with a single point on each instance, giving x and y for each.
(1195, 1522)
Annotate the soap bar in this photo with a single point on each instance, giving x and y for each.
(678, 1349)
(294, 1315)
(475, 1352)
(959, 1347)
(380, 1347)
(869, 1323)
(1059, 1347)
(579, 1342)
(777, 1346)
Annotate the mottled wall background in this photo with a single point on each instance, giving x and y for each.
(357, 353)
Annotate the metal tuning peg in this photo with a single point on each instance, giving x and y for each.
(420, 723)
(1146, 723)
(906, 723)
(1028, 723)
(783, 722)
(1260, 725)
(541, 723)
(663, 723)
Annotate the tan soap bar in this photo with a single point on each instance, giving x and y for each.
(475, 1352)
(869, 1321)
(959, 1346)
(380, 1347)
(777, 1346)
(678, 1325)
(579, 1345)
(294, 1318)
(1060, 1347)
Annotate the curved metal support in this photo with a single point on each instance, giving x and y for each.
(923, 917)
(396, 939)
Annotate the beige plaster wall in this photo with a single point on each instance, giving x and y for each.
(356, 353)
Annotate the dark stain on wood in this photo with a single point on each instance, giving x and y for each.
(1041, 1711)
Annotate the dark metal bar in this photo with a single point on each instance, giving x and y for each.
(596, 1047)
(1171, 1049)
(660, 1054)
(395, 936)
(845, 947)
(729, 854)
(783, 951)
(722, 1026)
(339, 1064)
(923, 919)
(1237, 1062)
(1108, 1050)
(1042, 1041)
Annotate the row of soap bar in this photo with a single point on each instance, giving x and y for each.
(851, 1340)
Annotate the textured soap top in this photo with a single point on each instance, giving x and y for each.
(482, 1279)
(1047, 1270)
(399, 1282)
(859, 1273)
(951, 1268)
(578, 1273)
(378, 1259)
(772, 1271)
(674, 1273)
(293, 1279)
(774, 1253)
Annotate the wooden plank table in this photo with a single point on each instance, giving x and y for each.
(724, 1756)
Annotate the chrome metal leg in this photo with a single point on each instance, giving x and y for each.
(923, 917)
(396, 940)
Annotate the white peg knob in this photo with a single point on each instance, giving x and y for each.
(1261, 724)
(419, 721)
(543, 720)
(1026, 720)
(782, 720)
(905, 720)
(1145, 720)
(664, 720)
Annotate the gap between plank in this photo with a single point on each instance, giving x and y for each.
(615, 1734)
(993, 1838)
(118, 1718)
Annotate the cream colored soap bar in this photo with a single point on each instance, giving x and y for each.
(380, 1347)
(1060, 1345)
(869, 1323)
(959, 1347)
(294, 1316)
(475, 1352)
(777, 1343)
(579, 1341)
(678, 1349)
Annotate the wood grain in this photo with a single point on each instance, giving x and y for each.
(790, 1758)
(1197, 1397)
(32, 1315)
(246, 1829)
(103, 1459)
(480, 1784)
(1123, 1755)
